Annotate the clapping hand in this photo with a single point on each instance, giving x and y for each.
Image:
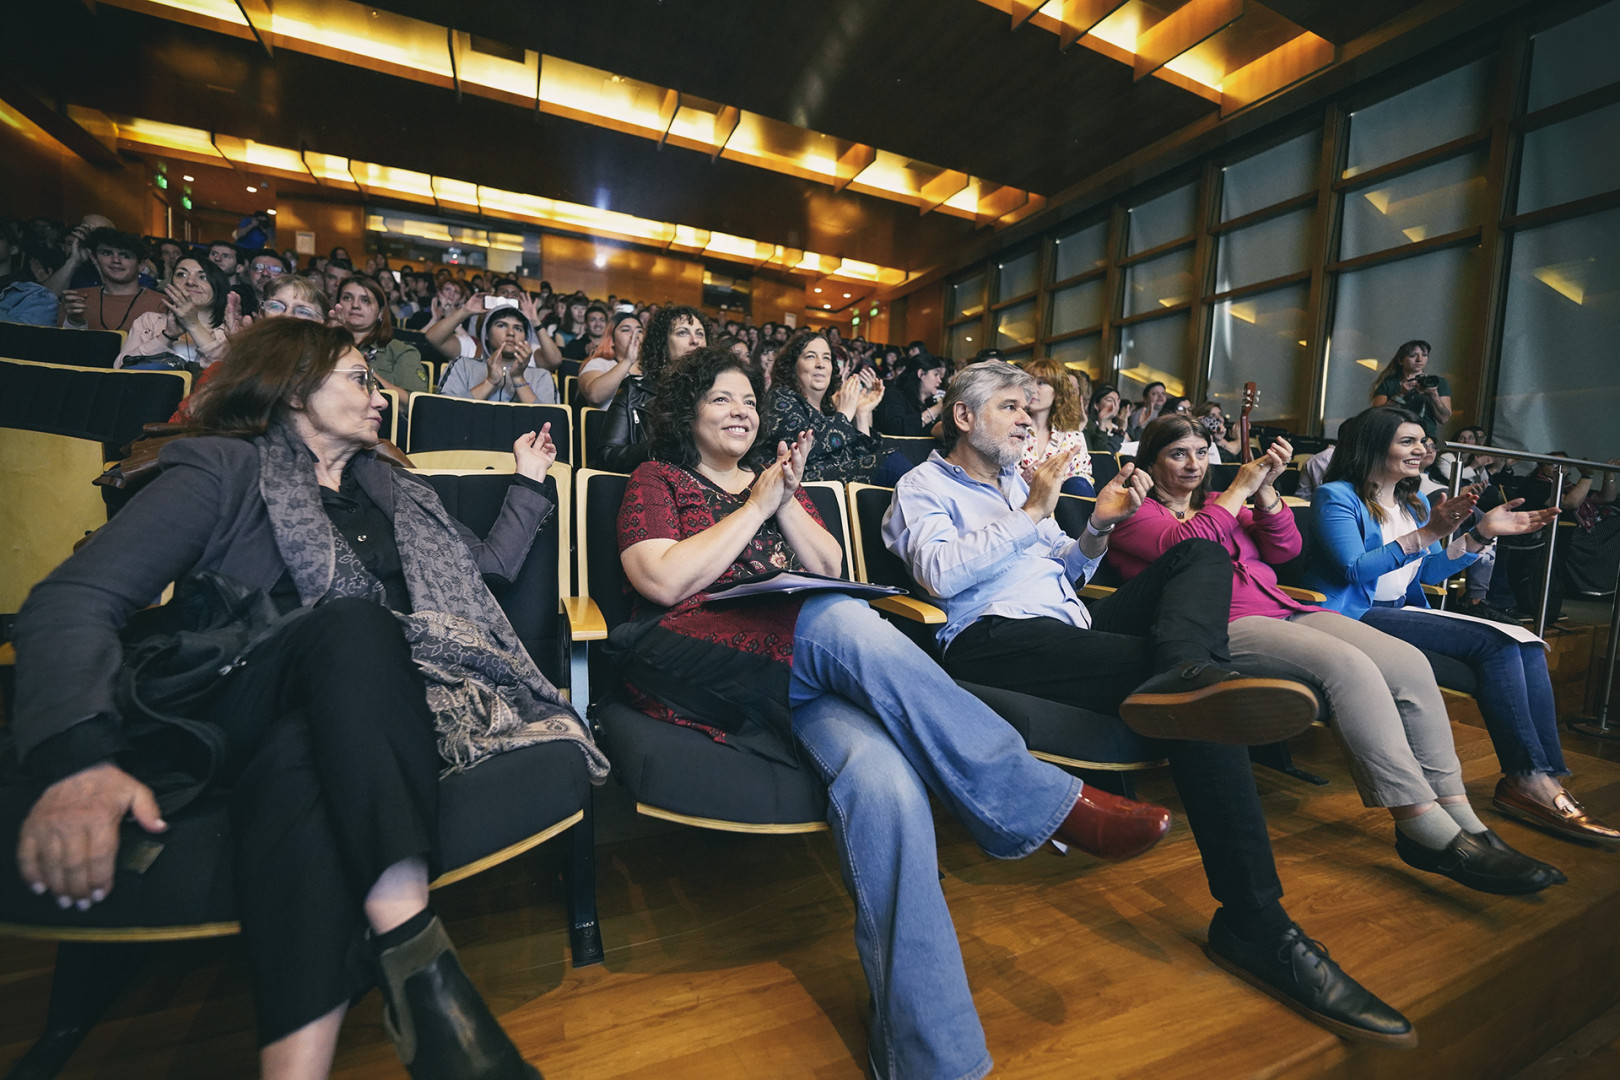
(1509, 520)
(74, 308)
(871, 392)
(774, 487)
(1276, 457)
(179, 302)
(1046, 484)
(1122, 496)
(535, 453)
(234, 319)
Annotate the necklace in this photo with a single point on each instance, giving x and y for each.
(101, 304)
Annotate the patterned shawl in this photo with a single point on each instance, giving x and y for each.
(486, 695)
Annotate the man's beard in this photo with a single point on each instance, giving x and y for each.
(1000, 451)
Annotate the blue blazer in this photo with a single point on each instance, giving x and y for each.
(1348, 553)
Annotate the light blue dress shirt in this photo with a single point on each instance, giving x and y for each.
(971, 546)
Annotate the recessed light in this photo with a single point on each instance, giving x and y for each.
(846, 296)
(827, 306)
(272, 213)
(252, 190)
(189, 179)
(818, 289)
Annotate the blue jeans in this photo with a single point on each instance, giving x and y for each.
(885, 727)
(1515, 691)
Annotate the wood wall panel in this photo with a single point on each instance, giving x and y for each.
(334, 224)
(41, 177)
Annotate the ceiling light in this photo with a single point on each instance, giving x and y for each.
(189, 179)
(818, 289)
(252, 190)
(846, 296)
(827, 306)
(271, 212)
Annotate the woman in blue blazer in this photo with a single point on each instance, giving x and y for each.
(1377, 544)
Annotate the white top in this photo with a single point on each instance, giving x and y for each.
(1393, 585)
(601, 363)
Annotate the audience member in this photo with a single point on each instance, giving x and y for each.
(1057, 427)
(618, 356)
(264, 267)
(1213, 420)
(444, 298)
(511, 365)
(192, 329)
(362, 310)
(1476, 468)
(1377, 542)
(596, 325)
(170, 252)
(1154, 397)
(1386, 709)
(1106, 432)
(911, 407)
(337, 271)
(227, 256)
(1405, 382)
(983, 541)
(674, 333)
(809, 394)
(22, 299)
(69, 258)
(1312, 472)
(826, 681)
(119, 301)
(334, 749)
(257, 230)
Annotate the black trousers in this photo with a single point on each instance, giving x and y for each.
(335, 779)
(1175, 612)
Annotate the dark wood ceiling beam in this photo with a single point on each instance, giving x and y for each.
(853, 162)
(1022, 10)
(1080, 17)
(1278, 69)
(667, 108)
(942, 189)
(57, 126)
(257, 14)
(1182, 30)
(725, 125)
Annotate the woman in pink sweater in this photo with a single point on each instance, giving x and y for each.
(1386, 708)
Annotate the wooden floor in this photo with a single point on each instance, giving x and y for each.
(732, 957)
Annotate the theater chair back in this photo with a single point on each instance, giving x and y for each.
(52, 345)
(58, 426)
(456, 433)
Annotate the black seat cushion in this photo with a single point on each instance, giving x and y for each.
(108, 406)
(53, 345)
(481, 811)
(1066, 730)
(1452, 673)
(684, 771)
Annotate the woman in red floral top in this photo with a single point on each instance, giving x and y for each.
(833, 686)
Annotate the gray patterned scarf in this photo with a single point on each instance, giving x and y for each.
(486, 695)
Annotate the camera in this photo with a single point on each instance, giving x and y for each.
(1428, 382)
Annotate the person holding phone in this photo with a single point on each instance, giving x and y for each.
(515, 364)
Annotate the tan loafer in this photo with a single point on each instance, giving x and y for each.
(1575, 823)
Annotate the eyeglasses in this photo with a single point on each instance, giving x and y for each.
(299, 311)
(362, 376)
(271, 269)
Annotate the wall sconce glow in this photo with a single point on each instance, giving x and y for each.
(1374, 365)
(1559, 281)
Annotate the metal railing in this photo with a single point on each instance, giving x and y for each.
(1598, 723)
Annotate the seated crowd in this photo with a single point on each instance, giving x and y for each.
(1200, 649)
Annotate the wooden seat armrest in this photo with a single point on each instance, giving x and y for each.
(910, 608)
(1305, 596)
(1096, 592)
(1435, 590)
(585, 621)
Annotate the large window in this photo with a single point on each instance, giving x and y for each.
(1301, 256)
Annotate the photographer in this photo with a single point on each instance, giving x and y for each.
(1405, 383)
(1209, 415)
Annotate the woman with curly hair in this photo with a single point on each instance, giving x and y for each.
(1059, 426)
(674, 332)
(823, 680)
(808, 394)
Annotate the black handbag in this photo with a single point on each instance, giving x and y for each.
(175, 659)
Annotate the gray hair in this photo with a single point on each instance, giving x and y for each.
(973, 386)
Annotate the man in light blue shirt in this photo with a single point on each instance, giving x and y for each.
(979, 536)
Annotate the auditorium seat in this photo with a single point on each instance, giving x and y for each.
(678, 773)
(499, 809)
(1097, 745)
(58, 426)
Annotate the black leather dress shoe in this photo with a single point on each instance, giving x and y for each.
(1480, 864)
(1299, 973)
(436, 1019)
(1492, 840)
(1204, 702)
